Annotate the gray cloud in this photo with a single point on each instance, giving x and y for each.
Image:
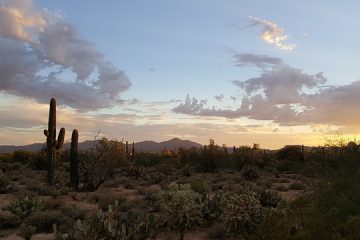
(288, 96)
(260, 61)
(220, 97)
(39, 48)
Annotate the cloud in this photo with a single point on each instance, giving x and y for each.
(289, 97)
(272, 33)
(220, 97)
(43, 56)
(282, 86)
(260, 61)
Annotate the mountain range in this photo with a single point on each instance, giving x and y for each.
(146, 146)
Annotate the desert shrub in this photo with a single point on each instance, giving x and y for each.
(74, 212)
(9, 166)
(297, 186)
(213, 157)
(134, 170)
(269, 199)
(288, 166)
(23, 207)
(147, 159)
(250, 173)
(331, 211)
(242, 157)
(292, 153)
(107, 197)
(8, 219)
(100, 163)
(114, 225)
(39, 160)
(6, 157)
(241, 213)
(215, 206)
(44, 220)
(26, 231)
(4, 183)
(200, 185)
(223, 185)
(181, 208)
(23, 156)
(187, 170)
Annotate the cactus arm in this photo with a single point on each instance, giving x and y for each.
(60, 140)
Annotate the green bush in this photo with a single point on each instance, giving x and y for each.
(250, 173)
(200, 185)
(181, 208)
(99, 164)
(107, 197)
(114, 225)
(241, 213)
(44, 220)
(26, 231)
(74, 212)
(23, 156)
(4, 183)
(269, 199)
(25, 206)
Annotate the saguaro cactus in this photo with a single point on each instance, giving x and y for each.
(52, 144)
(74, 174)
(127, 148)
(133, 150)
(302, 158)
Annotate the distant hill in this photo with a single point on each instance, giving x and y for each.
(146, 146)
(173, 144)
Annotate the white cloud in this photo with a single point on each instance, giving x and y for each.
(288, 97)
(38, 46)
(272, 33)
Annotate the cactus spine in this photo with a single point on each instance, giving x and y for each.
(52, 144)
(74, 174)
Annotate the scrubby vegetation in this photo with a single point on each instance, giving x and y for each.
(250, 194)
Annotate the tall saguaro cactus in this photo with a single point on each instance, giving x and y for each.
(133, 150)
(74, 174)
(52, 144)
(127, 148)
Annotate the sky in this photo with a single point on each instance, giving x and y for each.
(239, 72)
